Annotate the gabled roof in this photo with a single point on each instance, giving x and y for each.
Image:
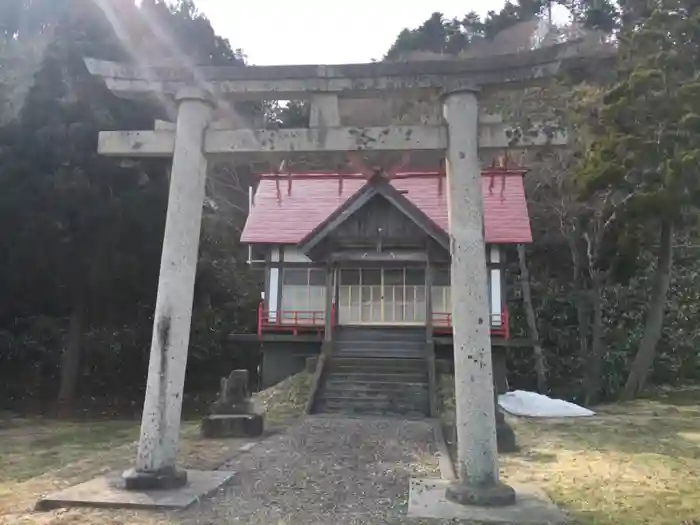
(376, 185)
(288, 209)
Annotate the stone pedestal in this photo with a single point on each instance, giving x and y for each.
(233, 414)
(232, 425)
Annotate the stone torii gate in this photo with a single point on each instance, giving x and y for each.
(447, 122)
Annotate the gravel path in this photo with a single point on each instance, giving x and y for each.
(325, 470)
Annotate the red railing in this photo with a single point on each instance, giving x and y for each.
(292, 321)
(296, 321)
(442, 323)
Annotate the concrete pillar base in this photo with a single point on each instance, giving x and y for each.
(496, 495)
(168, 478)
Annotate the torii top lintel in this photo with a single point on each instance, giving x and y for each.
(346, 80)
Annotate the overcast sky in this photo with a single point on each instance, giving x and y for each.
(324, 32)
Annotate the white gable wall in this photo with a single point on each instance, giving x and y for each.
(291, 254)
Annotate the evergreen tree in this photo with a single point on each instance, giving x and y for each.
(81, 233)
(650, 147)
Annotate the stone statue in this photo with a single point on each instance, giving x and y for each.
(234, 396)
(233, 413)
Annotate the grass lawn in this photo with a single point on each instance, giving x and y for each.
(634, 463)
(42, 456)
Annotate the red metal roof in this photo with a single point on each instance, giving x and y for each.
(286, 209)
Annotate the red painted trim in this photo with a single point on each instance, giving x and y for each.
(296, 321)
(442, 324)
(293, 321)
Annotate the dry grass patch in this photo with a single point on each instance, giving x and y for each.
(42, 456)
(635, 462)
(286, 400)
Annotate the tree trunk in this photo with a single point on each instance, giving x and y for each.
(70, 360)
(582, 311)
(592, 374)
(583, 320)
(540, 363)
(655, 317)
(582, 317)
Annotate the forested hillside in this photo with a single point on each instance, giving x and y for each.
(81, 234)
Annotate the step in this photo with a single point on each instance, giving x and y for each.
(380, 350)
(379, 362)
(355, 405)
(362, 376)
(374, 346)
(374, 385)
(383, 401)
(417, 399)
(377, 391)
(384, 364)
(380, 353)
(378, 343)
(418, 414)
(381, 334)
(381, 343)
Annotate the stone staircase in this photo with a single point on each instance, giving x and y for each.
(408, 343)
(376, 371)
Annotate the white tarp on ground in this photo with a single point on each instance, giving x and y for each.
(531, 404)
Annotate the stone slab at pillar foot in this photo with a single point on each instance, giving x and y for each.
(493, 495)
(168, 478)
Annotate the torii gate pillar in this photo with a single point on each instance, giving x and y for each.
(160, 423)
(478, 482)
